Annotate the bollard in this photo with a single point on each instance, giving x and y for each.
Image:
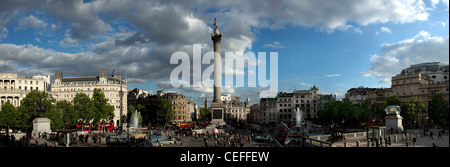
(345, 144)
(357, 143)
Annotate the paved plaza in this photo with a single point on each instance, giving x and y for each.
(421, 141)
(190, 141)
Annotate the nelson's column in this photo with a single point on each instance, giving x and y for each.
(217, 105)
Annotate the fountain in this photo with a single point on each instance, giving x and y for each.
(135, 131)
(134, 120)
(298, 129)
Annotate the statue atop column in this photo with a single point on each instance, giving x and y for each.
(216, 28)
(217, 106)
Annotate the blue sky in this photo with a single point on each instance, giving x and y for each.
(335, 45)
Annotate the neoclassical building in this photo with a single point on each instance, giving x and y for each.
(13, 88)
(235, 110)
(281, 108)
(179, 106)
(114, 88)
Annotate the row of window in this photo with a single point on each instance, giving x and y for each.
(31, 82)
(301, 96)
(89, 95)
(82, 89)
(411, 90)
(234, 115)
(25, 88)
(301, 105)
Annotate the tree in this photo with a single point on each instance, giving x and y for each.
(414, 110)
(130, 111)
(84, 107)
(35, 105)
(393, 100)
(366, 111)
(9, 116)
(438, 110)
(69, 115)
(164, 112)
(103, 110)
(205, 113)
(55, 116)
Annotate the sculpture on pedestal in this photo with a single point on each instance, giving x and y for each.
(393, 120)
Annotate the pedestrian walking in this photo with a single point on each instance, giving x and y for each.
(406, 140)
(439, 135)
(381, 142)
(389, 140)
(431, 135)
(414, 140)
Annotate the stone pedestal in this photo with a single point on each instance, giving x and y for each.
(394, 122)
(41, 125)
(217, 112)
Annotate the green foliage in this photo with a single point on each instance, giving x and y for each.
(55, 116)
(35, 105)
(393, 100)
(130, 111)
(345, 112)
(69, 115)
(9, 116)
(62, 114)
(205, 113)
(438, 110)
(102, 110)
(164, 112)
(84, 107)
(413, 110)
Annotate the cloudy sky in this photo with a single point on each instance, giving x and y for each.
(333, 44)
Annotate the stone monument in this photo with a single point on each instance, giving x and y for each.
(393, 119)
(217, 106)
(41, 125)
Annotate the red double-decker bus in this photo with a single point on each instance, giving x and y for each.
(204, 123)
(186, 125)
(83, 126)
(109, 125)
(87, 127)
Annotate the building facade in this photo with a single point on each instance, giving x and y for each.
(179, 106)
(254, 113)
(13, 88)
(192, 111)
(268, 111)
(358, 95)
(281, 108)
(134, 95)
(419, 80)
(114, 88)
(235, 110)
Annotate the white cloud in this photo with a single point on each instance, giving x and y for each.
(305, 84)
(435, 2)
(332, 75)
(385, 29)
(31, 22)
(396, 56)
(274, 45)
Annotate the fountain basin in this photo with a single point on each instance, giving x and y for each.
(138, 136)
